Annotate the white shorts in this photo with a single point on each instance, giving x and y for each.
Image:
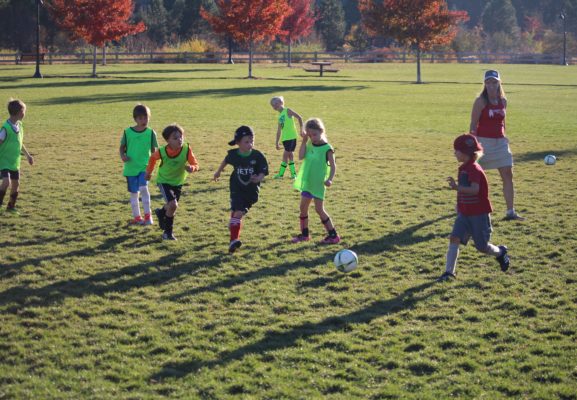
(496, 153)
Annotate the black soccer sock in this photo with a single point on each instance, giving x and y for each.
(12, 202)
(2, 194)
(333, 233)
(168, 222)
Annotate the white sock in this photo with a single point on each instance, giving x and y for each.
(134, 204)
(511, 211)
(493, 250)
(452, 255)
(145, 196)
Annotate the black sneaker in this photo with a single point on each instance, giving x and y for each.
(447, 276)
(234, 245)
(168, 236)
(160, 217)
(503, 259)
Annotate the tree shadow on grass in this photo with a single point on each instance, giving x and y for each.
(274, 340)
(540, 155)
(81, 83)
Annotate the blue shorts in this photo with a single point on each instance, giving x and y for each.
(135, 182)
(476, 226)
(309, 195)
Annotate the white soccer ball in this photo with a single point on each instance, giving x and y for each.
(346, 260)
(550, 159)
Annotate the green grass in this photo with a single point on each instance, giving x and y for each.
(93, 308)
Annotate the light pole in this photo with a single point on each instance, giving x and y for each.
(37, 74)
(564, 18)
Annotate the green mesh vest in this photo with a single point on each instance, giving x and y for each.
(171, 170)
(138, 145)
(287, 124)
(314, 170)
(11, 148)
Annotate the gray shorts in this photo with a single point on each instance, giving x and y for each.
(476, 226)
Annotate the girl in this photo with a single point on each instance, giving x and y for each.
(317, 172)
(286, 131)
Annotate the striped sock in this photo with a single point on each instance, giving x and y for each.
(234, 226)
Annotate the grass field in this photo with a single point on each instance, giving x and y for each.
(92, 308)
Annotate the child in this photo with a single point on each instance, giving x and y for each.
(136, 145)
(176, 159)
(473, 207)
(250, 168)
(317, 171)
(286, 131)
(11, 147)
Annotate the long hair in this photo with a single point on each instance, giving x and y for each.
(485, 95)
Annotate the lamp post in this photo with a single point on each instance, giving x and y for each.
(37, 74)
(564, 18)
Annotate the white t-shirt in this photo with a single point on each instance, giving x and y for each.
(3, 131)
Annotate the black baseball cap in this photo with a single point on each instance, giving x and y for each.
(241, 132)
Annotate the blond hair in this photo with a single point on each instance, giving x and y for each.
(277, 98)
(317, 124)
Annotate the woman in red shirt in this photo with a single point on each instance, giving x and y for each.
(488, 125)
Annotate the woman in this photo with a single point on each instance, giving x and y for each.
(488, 124)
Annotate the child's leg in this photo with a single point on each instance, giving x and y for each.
(170, 208)
(13, 193)
(4, 188)
(325, 218)
(304, 215)
(235, 224)
(452, 255)
(291, 163)
(134, 204)
(145, 196)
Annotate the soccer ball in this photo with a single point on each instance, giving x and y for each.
(346, 260)
(550, 159)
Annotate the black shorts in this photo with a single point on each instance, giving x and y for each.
(242, 201)
(170, 192)
(290, 145)
(14, 175)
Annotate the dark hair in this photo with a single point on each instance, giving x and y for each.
(170, 129)
(139, 110)
(15, 106)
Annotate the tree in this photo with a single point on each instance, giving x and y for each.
(155, 17)
(420, 24)
(331, 23)
(298, 23)
(248, 21)
(96, 21)
(500, 16)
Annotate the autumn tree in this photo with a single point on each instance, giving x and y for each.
(248, 22)
(420, 24)
(95, 21)
(298, 23)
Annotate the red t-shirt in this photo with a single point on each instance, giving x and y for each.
(492, 121)
(473, 204)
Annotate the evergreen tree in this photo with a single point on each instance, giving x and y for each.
(500, 16)
(155, 17)
(331, 23)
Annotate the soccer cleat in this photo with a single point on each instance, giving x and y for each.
(12, 211)
(331, 240)
(293, 176)
(234, 245)
(300, 238)
(168, 236)
(136, 220)
(447, 276)
(277, 176)
(513, 217)
(148, 219)
(503, 259)
(160, 217)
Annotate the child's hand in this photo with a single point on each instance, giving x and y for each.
(328, 183)
(30, 160)
(452, 184)
(303, 134)
(216, 176)
(189, 168)
(255, 178)
(278, 146)
(147, 176)
(125, 158)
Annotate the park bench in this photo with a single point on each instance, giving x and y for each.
(30, 57)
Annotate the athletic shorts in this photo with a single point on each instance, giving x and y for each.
(290, 145)
(14, 175)
(496, 153)
(476, 226)
(170, 192)
(309, 195)
(135, 182)
(242, 201)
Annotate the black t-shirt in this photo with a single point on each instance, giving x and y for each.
(244, 167)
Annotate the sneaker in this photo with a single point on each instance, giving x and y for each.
(512, 217)
(136, 221)
(300, 238)
(503, 259)
(293, 176)
(148, 219)
(159, 217)
(277, 176)
(168, 236)
(12, 211)
(234, 245)
(331, 240)
(447, 276)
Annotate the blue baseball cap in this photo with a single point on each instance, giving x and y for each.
(492, 74)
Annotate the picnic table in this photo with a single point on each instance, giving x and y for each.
(321, 67)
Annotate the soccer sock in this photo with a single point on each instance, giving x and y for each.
(452, 255)
(292, 168)
(168, 223)
(282, 168)
(493, 250)
(145, 196)
(305, 225)
(326, 222)
(2, 194)
(12, 201)
(511, 211)
(234, 226)
(134, 204)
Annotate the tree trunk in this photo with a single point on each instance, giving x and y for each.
(289, 51)
(94, 61)
(230, 61)
(104, 54)
(418, 64)
(250, 60)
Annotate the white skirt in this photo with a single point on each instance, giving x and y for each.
(496, 153)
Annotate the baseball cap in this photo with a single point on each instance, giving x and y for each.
(492, 74)
(467, 144)
(241, 132)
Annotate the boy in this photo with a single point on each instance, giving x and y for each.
(177, 160)
(287, 132)
(136, 145)
(250, 168)
(11, 148)
(473, 207)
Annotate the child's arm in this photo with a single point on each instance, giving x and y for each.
(151, 163)
(219, 170)
(2, 135)
(257, 178)
(473, 189)
(122, 152)
(303, 148)
(192, 162)
(291, 113)
(278, 132)
(333, 166)
(30, 158)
